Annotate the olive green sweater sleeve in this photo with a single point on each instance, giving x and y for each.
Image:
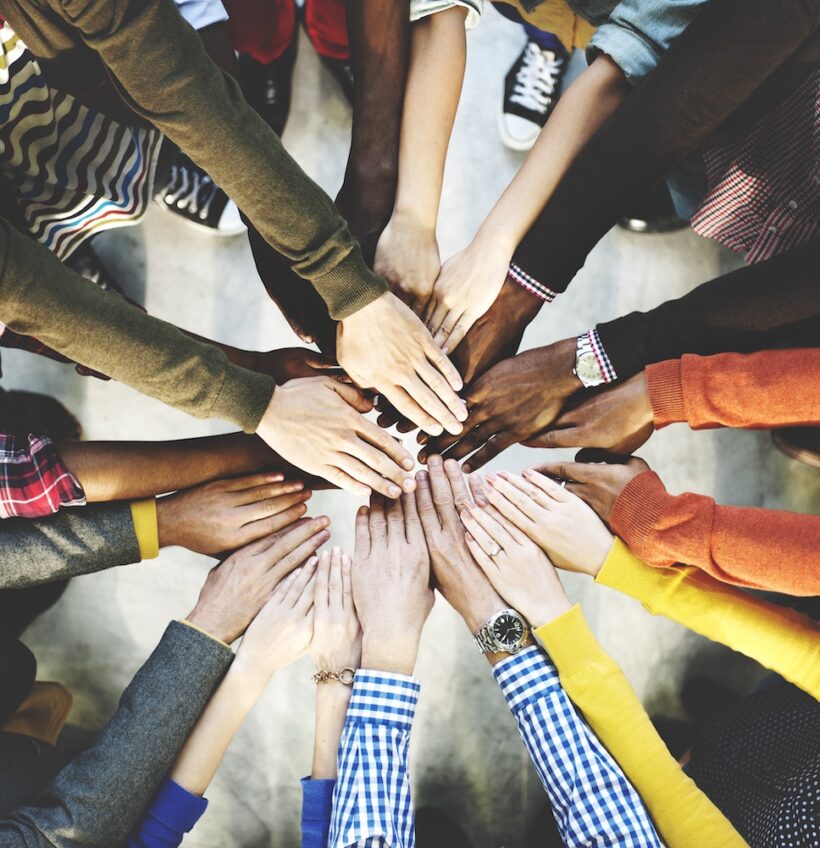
(40, 297)
(165, 75)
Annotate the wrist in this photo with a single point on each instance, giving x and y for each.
(545, 610)
(480, 610)
(390, 652)
(495, 239)
(167, 522)
(248, 679)
(559, 362)
(413, 217)
(212, 624)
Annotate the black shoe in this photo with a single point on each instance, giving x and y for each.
(800, 443)
(435, 829)
(342, 71)
(267, 88)
(86, 262)
(531, 92)
(193, 196)
(655, 214)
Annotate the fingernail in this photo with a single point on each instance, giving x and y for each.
(365, 492)
(451, 464)
(323, 536)
(445, 350)
(409, 485)
(455, 429)
(490, 477)
(467, 468)
(422, 457)
(325, 555)
(276, 478)
(504, 475)
(323, 520)
(296, 487)
(309, 339)
(463, 415)
(526, 473)
(407, 463)
(422, 475)
(468, 537)
(336, 550)
(394, 491)
(435, 430)
(362, 510)
(422, 438)
(434, 461)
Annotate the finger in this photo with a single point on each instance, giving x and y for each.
(486, 542)
(395, 522)
(251, 481)
(457, 333)
(334, 587)
(442, 492)
(484, 560)
(428, 399)
(424, 505)
(271, 506)
(291, 539)
(479, 414)
(409, 408)
(441, 387)
(322, 593)
(352, 396)
(396, 457)
(377, 520)
(436, 311)
(305, 574)
(347, 582)
(578, 471)
(364, 474)
(496, 531)
(281, 589)
(472, 441)
(446, 327)
(344, 481)
(497, 443)
(299, 555)
(508, 510)
(267, 526)
(458, 483)
(304, 604)
(446, 368)
(547, 485)
(524, 495)
(320, 361)
(362, 544)
(413, 531)
(254, 494)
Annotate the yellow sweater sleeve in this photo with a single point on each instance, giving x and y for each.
(683, 815)
(144, 514)
(778, 638)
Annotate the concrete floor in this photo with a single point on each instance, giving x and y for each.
(467, 757)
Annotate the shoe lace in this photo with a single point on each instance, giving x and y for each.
(536, 78)
(191, 188)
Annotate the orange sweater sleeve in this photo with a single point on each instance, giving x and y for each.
(746, 546)
(771, 388)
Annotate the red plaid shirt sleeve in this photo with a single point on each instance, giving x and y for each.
(33, 479)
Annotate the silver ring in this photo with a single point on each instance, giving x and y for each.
(496, 552)
(564, 484)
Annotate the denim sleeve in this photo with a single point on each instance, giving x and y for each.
(639, 32)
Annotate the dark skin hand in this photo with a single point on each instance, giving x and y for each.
(511, 403)
(597, 477)
(618, 419)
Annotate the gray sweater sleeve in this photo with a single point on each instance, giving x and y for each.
(96, 800)
(69, 543)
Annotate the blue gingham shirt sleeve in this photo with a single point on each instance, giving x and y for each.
(592, 801)
(371, 801)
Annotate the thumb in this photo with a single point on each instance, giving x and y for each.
(352, 396)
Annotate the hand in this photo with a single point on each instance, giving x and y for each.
(497, 334)
(318, 425)
(282, 629)
(391, 583)
(512, 402)
(385, 347)
(440, 496)
(337, 636)
(597, 484)
(407, 257)
(560, 523)
(466, 288)
(517, 568)
(238, 588)
(227, 514)
(618, 419)
(291, 363)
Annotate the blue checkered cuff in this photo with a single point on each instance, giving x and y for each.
(526, 676)
(520, 276)
(384, 697)
(604, 362)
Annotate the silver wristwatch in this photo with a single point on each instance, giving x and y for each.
(506, 632)
(587, 369)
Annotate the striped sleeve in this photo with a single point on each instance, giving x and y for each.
(592, 801)
(372, 807)
(33, 479)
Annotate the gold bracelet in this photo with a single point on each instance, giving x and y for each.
(346, 676)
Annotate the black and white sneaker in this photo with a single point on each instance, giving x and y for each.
(193, 196)
(267, 88)
(342, 72)
(531, 92)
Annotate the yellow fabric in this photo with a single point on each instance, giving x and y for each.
(683, 815)
(144, 514)
(779, 639)
(203, 632)
(555, 16)
(43, 714)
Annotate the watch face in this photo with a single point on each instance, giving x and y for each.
(508, 630)
(587, 368)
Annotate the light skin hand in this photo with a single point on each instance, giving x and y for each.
(440, 496)
(391, 583)
(512, 402)
(561, 524)
(618, 419)
(385, 347)
(228, 514)
(318, 425)
(596, 477)
(517, 568)
(238, 588)
(407, 257)
(337, 644)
